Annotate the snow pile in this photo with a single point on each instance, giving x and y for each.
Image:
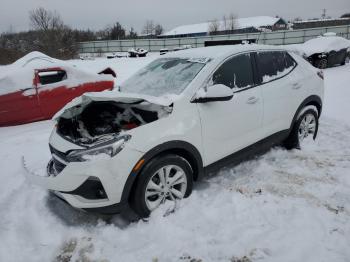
(282, 206)
(20, 74)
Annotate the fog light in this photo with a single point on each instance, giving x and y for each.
(91, 189)
(101, 194)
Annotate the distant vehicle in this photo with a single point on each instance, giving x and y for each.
(163, 51)
(182, 116)
(138, 52)
(325, 51)
(36, 86)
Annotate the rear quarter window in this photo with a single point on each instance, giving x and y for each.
(273, 65)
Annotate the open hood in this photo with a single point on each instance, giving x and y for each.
(99, 117)
(77, 105)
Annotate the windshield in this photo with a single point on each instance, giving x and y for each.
(163, 76)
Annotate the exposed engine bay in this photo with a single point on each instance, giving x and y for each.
(102, 121)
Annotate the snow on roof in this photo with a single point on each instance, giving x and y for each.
(20, 74)
(257, 21)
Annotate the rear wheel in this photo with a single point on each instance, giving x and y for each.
(305, 128)
(167, 178)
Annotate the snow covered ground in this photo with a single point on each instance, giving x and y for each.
(282, 206)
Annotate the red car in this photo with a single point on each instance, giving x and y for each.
(37, 86)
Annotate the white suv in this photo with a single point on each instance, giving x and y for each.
(180, 117)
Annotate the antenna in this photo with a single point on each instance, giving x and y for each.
(324, 10)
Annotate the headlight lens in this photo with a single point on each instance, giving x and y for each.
(110, 148)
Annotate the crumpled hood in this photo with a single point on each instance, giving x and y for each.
(77, 105)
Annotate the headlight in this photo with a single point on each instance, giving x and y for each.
(110, 148)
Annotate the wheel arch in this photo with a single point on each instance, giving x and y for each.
(312, 100)
(177, 147)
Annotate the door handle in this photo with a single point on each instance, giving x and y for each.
(296, 86)
(252, 100)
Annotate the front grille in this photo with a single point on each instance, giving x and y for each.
(56, 166)
(60, 154)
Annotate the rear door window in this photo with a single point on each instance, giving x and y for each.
(273, 65)
(235, 73)
(50, 77)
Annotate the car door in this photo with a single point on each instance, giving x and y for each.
(228, 126)
(281, 91)
(20, 107)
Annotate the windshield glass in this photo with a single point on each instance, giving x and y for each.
(163, 76)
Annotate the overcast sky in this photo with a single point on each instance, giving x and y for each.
(96, 14)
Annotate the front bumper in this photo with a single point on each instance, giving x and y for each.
(92, 185)
(105, 210)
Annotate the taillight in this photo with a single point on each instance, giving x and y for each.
(320, 74)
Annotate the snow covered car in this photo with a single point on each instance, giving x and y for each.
(36, 86)
(327, 51)
(179, 118)
(138, 52)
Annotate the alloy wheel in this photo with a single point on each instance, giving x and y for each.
(307, 127)
(167, 183)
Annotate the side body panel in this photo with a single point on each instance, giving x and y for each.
(231, 125)
(19, 107)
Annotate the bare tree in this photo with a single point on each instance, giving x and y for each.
(132, 34)
(116, 32)
(42, 19)
(214, 26)
(346, 15)
(224, 22)
(148, 28)
(232, 22)
(53, 37)
(158, 29)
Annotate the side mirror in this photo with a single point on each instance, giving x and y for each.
(214, 93)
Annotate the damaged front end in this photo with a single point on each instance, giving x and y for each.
(101, 126)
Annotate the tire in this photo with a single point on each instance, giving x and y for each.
(321, 63)
(295, 139)
(149, 182)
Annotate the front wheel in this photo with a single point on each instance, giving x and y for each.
(167, 178)
(304, 128)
